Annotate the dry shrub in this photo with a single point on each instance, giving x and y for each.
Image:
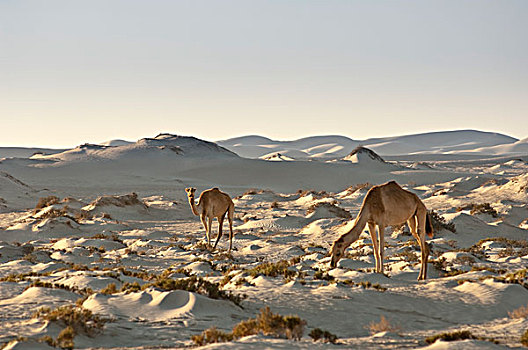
(332, 208)
(320, 275)
(267, 323)
(326, 336)
(55, 213)
(109, 289)
(439, 222)
(290, 327)
(450, 336)
(316, 194)
(279, 268)
(119, 201)
(82, 215)
(65, 338)
(211, 335)
(79, 319)
(524, 338)
(382, 326)
(479, 208)
(44, 202)
(521, 312)
(130, 287)
(196, 285)
(407, 255)
(274, 205)
(357, 187)
(250, 192)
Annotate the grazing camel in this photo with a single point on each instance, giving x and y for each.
(388, 205)
(213, 203)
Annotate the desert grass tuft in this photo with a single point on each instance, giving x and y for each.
(521, 312)
(382, 326)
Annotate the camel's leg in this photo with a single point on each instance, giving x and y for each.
(209, 225)
(412, 226)
(230, 215)
(220, 226)
(374, 238)
(381, 246)
(204, 223)
(420, 222)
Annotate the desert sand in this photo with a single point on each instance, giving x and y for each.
(117, 232)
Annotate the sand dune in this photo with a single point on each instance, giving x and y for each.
(120, 236)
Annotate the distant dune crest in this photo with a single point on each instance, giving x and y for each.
(336, 147)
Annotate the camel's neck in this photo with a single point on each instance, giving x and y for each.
(194, 207)
(353, 234)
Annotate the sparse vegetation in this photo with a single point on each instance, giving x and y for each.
(79, 319)
(521, 312)
(44, 202)
(65, 338)
(43, 284)
(407, 255)
(479, 208)
(320, 275)
(524, 338)
(517, 277)
(382, 326)
(267, 323)
(357, 187)
(210, 336)
(439, 223)
(450, 336)
(193, 284)
(331, 207)
(273, 269)
(325, 336)
(109, 289)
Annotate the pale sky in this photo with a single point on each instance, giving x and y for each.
(90, 71)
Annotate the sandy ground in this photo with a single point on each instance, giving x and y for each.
(69, 252)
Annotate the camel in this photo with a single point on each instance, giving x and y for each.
(213, 203)
(388, 205)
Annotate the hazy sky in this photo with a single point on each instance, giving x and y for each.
(89, 71)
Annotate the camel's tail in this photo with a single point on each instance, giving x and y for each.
(231, 211)
(428, 226)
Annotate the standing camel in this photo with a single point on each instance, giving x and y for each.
(388, 205)
(213, 203)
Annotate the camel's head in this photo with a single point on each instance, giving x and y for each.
(190, 191)
(337, 251)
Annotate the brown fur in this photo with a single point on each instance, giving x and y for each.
(387, 205)
(213, 203)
